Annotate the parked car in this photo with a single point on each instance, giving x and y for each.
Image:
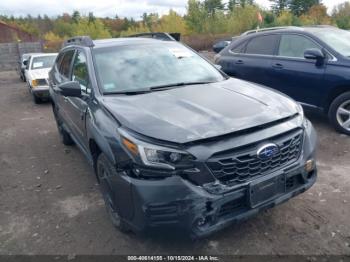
(36, 74)
(310, 64)
(175, 142)
(21, 66)
(221, 44)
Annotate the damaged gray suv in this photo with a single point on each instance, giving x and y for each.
(173, 141)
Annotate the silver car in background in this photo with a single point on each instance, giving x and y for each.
(36, 75)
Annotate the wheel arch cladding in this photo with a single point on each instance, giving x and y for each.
(335, 92)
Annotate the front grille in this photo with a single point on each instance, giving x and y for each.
(242, 164)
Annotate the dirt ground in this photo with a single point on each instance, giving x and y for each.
(50, 203)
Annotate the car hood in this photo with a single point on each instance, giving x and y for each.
(39, 73)
(196, 112)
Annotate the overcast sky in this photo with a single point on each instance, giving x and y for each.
(104, 8)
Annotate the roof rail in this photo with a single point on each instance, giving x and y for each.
(160, 36)
(79, 40)
(269, 29)
(321, 26)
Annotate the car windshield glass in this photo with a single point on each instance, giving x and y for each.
(43, 62)
(140, 67)
(338, 39)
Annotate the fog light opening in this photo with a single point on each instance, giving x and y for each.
(203, 221)
(310, 175)
(137, 172)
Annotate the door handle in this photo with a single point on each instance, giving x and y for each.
(277, 66)
(65, 99)
(239, 62)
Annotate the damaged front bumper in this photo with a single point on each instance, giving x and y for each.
(203, 209)
(176, 202)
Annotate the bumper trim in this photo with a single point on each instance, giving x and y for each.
(248, 213)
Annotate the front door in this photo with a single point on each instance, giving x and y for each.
(300, 78)
(77, 107)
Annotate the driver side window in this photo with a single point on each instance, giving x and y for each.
(295, 46)
(80, 72)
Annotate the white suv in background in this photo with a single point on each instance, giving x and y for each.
(36, 74)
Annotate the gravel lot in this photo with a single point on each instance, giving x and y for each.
(50, 203)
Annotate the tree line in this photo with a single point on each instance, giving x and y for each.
(202, 17)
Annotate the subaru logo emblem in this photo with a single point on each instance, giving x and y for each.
(267, 151)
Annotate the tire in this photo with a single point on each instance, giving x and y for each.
(339, 113)
(65, 136)
(104, 170)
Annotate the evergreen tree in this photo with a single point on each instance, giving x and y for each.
(91, 17)
(212, 5)
(279, 5)
(299, 7)
(231, 4)
(76, 16)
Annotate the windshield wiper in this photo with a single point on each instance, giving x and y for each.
(128, 92)
(154, 88)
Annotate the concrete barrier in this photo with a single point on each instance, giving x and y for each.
(10, 53)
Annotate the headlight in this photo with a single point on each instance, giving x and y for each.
(35, 83)
(156, 156)
(301, 113)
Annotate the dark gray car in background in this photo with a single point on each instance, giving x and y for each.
(173, 141)
(21, 65)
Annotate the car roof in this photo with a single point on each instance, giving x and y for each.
(29, 54)
(288, 29)
(43, 54)
(85, 41)
(126, 41)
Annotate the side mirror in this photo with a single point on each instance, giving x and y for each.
(71, 88)
(314, 54)
(25, 62)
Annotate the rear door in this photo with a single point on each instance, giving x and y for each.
(252, 62)
(294, 75)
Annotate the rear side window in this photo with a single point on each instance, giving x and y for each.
(66, 63)
(239, 48)
(262, 45)
(295, 46)
(58, 60)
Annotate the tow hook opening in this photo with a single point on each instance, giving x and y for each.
(310, 174)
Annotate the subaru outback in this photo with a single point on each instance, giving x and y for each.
(173, 141)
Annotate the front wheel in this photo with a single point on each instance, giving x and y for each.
(339, 113)
(106, 169)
